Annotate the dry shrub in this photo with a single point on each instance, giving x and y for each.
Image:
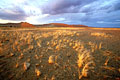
(26, 65)
(16, 66)
(80, 60)
(39, 45)
(70, 44)
(48, 43)
(53, 77)
(11, 54)
(37, 71)
(85, 60)
(36, 56)
(57, 47)
(16, 43)
(31, 46)
(95, 46)
(100, 45)
(100, 34)
(21, 56)
(51, 59)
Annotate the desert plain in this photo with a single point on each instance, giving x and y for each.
(59, 53)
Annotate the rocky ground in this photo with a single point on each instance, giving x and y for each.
(59, 54)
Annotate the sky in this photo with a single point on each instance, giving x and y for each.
(95, 13)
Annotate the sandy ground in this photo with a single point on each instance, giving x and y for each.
(60, 54)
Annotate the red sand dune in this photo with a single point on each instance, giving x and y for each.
(25, 24)
(60, 25)
(22, 24)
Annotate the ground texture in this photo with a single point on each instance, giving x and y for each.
(59, 54)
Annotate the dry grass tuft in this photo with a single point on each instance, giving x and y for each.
(53, 77)
(51, 59)
(84, 62)
(83, 58)
(100, 34)
(100, 45)
(21, 56)
(80, 60)
(11, 54)
(36, 56)
(39, 45)
(16, 66)
(26, 65)
(37, 71)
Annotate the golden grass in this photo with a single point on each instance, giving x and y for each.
(51, 59)
(61, 40)
(83, 58)
(37, 71)
(21, 56)
(80, 60)
(16, 66)
(95, 46)
(53, 77)
(84, 62)
(106, 62)
(26, 65)
(57, 47)
(98, 34)
(36, 56)
(108, 68)
(100, 45)
(39, 45)
(11, 54)
(31, 46)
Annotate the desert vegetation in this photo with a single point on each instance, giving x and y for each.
(59, 54)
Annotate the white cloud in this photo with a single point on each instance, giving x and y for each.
(32, 10)
(8, 21)
(35, 19)
(65, 11)
(19, 1)
(57, 20)
(103, 22)
(100, 22)
(60, 19)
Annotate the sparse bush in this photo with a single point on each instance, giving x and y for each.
(85, 60)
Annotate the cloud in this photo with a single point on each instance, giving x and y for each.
(60, 19)
(14, 13)
(64, 6)
(87, 12)
(114, 7)
(36, 19)
(9, 21)
(101, 22)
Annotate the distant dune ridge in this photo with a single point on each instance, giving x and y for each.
(22, 24)
(25, 24)
(60, 25)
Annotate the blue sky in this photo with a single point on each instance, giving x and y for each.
(95, 13)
